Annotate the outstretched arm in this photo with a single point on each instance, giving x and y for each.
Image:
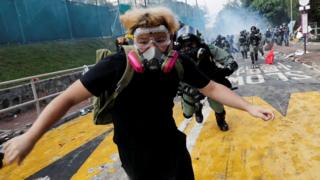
(225, 96)
(18, 147)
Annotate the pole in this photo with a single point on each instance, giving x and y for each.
(145, 3)
(186, 2)
(305, 23)
(291, 10)
(35, 96)
(68, 19)
(305, 43)
(19, 21)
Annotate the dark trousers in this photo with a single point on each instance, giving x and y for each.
(157, 161)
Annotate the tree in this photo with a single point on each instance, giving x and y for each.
(276, 11)
(315, 11)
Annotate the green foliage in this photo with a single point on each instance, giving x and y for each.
(315, 11)
(17, 61)
(273, 10)
(246, 3)
(276, 11)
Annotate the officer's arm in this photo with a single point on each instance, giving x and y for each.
(225, 96)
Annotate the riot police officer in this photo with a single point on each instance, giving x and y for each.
(215, 63)
(254, 39)
(243, 44)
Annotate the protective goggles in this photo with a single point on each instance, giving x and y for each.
(145, 37)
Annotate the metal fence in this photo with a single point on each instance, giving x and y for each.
(26, 21)
(33, 80)
(42, 20)
(315, 30)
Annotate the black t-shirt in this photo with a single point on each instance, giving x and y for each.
(143, 110)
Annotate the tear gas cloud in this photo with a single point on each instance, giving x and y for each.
(231, 20)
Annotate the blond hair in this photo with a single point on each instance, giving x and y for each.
(149, 17)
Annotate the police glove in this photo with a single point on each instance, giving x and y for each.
(226, 72)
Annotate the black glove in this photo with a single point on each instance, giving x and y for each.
(233, 66)
(198, 96)
(226, 72)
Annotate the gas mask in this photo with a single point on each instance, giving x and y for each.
(152, 46)
(189, 43)
(196, 53)
(152, 59)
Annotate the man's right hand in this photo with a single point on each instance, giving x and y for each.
(17, 149)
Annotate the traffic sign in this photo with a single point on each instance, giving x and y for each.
(303, 2)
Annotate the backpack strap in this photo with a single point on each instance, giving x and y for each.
(122, 83)
(128, 72)
(102, 53)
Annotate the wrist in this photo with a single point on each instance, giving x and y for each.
(31, 137)
(248, 107)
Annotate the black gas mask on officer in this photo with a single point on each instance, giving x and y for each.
(189, 42)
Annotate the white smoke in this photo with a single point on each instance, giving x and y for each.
(233, 19)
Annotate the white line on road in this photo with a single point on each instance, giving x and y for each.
(193, 135)
(311, 67)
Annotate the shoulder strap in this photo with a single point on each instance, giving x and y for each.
(102, 53)
(128, 72)
(122, 83)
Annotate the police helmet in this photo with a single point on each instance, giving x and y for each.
(253, 28)
(187, 33)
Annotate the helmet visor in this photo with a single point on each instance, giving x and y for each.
(186, 32)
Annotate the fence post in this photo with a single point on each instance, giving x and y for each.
(68, 19)
(316, 30)
(35, 95)
(19, 21)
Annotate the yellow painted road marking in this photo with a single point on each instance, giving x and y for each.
(222, 155)
(177, 113)
(105, 153)
(286, 148)
(102, 155)
(55, 145)
(192, 123)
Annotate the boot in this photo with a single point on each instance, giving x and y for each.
(220, 117)
(243, 55)
(1, 159)
(199, 117)
(198, 113)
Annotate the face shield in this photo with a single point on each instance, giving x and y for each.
(144, 38)
(186, 32)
